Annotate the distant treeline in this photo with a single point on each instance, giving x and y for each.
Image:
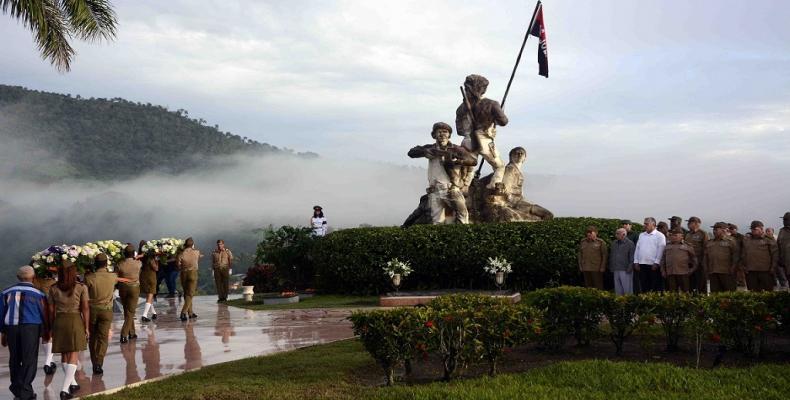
(112, 138)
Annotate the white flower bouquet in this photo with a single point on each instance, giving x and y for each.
(497, 264)
(50, 259)
(163, 248)
(396, 266)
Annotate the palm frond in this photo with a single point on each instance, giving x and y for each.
(52, 37)
(90, 19)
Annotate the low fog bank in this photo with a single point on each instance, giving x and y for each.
(234, 200)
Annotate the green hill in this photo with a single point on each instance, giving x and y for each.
(48, 136)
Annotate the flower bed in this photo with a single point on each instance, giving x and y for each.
(465, 329)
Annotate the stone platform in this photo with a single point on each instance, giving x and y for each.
(168, 346)
(405, 299)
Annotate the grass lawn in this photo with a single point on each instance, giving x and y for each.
(343, 370)
(319, 301)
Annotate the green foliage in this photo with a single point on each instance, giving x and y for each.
(674, 310)
(742, 318)
(623, 316)
(288, 248)
(389, 335)
(567, 311)
(452, 256)
(71, 137)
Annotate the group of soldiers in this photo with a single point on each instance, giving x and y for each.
(91, 302)
(687, 260)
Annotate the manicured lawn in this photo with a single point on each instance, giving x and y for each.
(343, 370)
(320, 301)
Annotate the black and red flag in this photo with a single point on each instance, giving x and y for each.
(539, 31)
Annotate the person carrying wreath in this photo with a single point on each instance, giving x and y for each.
(187, 262)
(129, 291)
(69, 314)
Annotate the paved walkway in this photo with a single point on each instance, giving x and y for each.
(167, 345)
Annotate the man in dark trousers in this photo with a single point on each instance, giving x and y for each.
(23, 324)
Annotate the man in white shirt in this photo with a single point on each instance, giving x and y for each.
(647, 257)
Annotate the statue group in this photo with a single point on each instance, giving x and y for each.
(456, 193)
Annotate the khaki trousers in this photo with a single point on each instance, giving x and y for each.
(189, 285)
(722, 283)
(593, 279)
(101, 320)
(489, 153)
(762, 281)
(678, 283)
(129, 296)
(440, 198)
(221, 278)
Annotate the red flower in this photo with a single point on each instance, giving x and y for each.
(448, 318)
(429, 324)
(715, 338)
(769, 317)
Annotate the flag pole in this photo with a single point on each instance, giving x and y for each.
(518, 59)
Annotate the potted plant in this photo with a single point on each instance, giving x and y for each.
(397, 270)
(499, 268)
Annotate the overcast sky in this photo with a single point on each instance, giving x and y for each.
(696, 87)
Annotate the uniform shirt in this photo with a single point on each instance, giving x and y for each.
(759, 255)
(678, 259)
(129, 268)
(650, 248)
(319, 225)
(65, 303)
(221, 259)
(21, 304)
(697, 240)
(101, 285)
(592, 255)
(188, 259)
(621, 255)
(720, 255)
(783, 242)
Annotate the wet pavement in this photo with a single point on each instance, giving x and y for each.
(167, 345)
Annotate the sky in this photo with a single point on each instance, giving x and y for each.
(685, 103)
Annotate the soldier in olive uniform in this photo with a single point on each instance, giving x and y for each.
(697, 238)
(187, 262)
(101, 284)
(592, 257)
(676, 222)
(129, 291)
(759, 259)
(221, 263)
(783, 242)
(721, 259)
(678, 262)
(732, 229)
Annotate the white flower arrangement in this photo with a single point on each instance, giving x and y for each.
(396, 266)
(497, 264)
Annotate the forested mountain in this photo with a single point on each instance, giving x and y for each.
(48, 136)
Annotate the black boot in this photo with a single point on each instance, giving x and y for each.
(153, 317)
(192, 316)
(74, 389)
(145, 319)
(65, 396)
(124, 339)
(49, 369)
(183, 317)
(97, 370)
(132, 336)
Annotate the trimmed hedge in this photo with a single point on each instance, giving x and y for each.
(452, 256)
(465, 329)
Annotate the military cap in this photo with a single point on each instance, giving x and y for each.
(787, 215)
(675, 217)
(695, 219)
(440, 125)
(317, 208)
(756, 224)
(676, 231)
(625, 222)
(723, 225)
(732, 226)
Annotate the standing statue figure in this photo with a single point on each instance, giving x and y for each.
(445, 161)
(479, 129)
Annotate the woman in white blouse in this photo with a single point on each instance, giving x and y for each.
(318, 221)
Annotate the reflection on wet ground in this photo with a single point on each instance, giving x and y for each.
(168, 346)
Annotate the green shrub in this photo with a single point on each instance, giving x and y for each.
(454, 330)
(288, 248)
(390, 336)
(452, 256)
(503, 326)
(623, 314)
(673, 310)
(567, 311)
(779, 307)
(741, 319)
